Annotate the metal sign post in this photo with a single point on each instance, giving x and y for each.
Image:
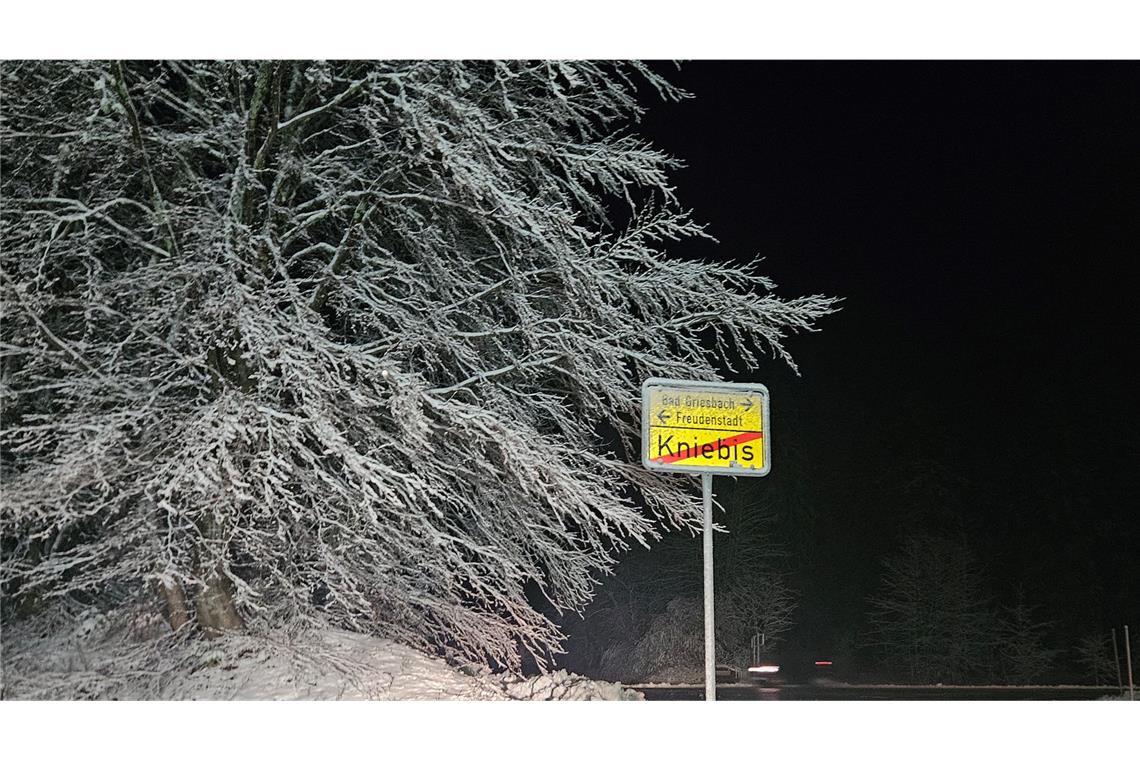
(710, 640)
(706, 429)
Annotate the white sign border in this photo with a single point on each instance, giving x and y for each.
(730, 472)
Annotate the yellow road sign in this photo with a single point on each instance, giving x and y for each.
(716, 428)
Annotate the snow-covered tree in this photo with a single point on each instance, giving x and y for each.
(1023, 654)
(359, 342)
(931, 618)
(1095, 655)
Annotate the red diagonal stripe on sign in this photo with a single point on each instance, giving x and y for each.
(716, 445)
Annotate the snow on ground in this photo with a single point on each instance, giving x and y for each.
(357, 666)
(91, 662)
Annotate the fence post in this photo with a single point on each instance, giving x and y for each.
(1128, 656)
(1116, 662)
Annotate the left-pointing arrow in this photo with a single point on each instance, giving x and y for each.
(662, 417)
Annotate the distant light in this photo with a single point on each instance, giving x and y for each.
(823, 662)
(764, 669)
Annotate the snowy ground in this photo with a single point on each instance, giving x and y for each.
(93, 661)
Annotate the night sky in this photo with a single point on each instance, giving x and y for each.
(979, 219)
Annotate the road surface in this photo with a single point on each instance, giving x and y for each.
(738, 692)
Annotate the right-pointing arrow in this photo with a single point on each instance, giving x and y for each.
(748, 404)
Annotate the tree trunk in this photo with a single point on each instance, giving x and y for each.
(177, 612)
(215, 606)
(214, 603)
